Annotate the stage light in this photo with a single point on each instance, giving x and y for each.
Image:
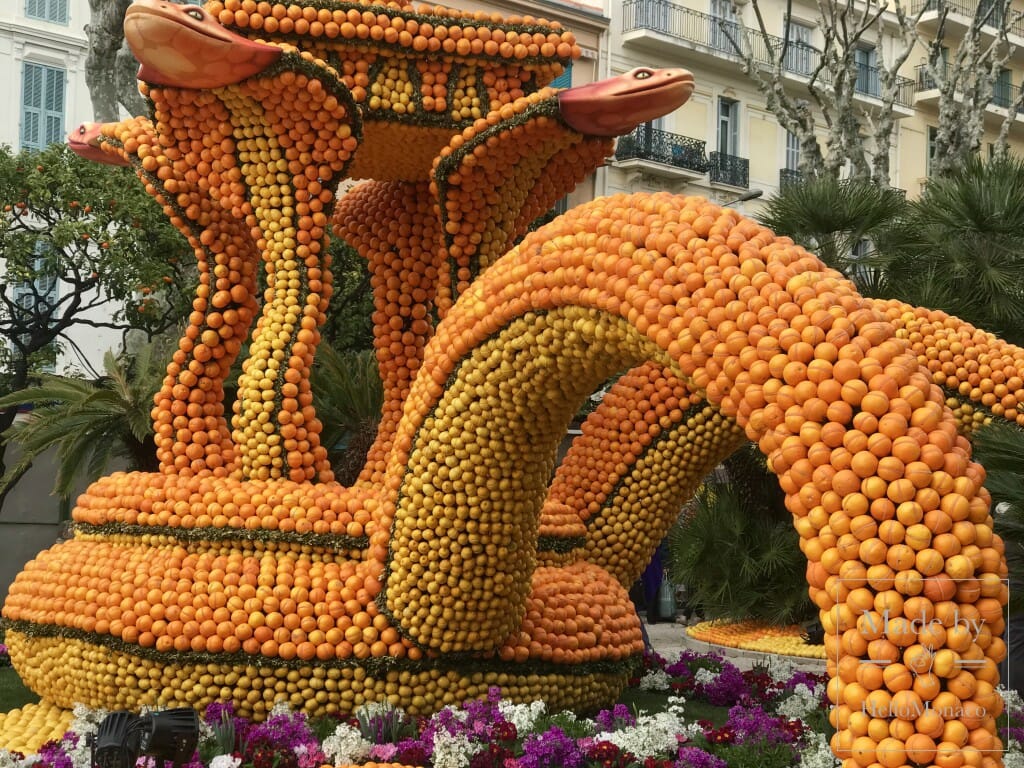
(122, 737)
(172, 734)
(116, 742)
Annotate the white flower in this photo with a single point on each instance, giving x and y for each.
(781, 670)
(676, 705)
(225, 761)
(705, 676)
(346, 746)
(453, 751)
(522, 716)
(1013, 757)
(85, 719)
(818, 753)
(8, 760)
(652, 736)
(280, 708)
(1013, 701)
(802, 702)
(655, 680)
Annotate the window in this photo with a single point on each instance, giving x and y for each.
(792, 152)
(1001, 89)
(728, 126)
(933, 134)
(37, 297)
(564, 80)
(55, 11)
(866, 60)
(799, 53)
(42, 106)
(724, 26)
(991, 13)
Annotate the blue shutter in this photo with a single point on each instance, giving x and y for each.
(564, 80)
(54, 11)
(54, 106)
(31, 106)
(42, 106)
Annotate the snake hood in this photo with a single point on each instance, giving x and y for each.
(185, 46)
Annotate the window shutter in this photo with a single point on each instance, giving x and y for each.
(54, 106)
(564, 80)
(31, 106)
(42, 106)
(55, 11)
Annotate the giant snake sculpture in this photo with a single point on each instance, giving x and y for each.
(241, 571)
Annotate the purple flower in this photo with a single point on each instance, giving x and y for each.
(412, 752)
(616, 718)
(695, 757)
(754, 724)
(553, 749)
(727, 688)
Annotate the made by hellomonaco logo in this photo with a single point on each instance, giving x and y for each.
(928, 649)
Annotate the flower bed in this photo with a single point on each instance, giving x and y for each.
(755, 636)
(699, 711)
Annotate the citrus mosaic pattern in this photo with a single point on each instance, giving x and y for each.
(241, 571)
(755, 636)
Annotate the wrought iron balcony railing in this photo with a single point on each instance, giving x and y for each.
(1004, 94)
(721, 35)
(991, 13)
(647, 143)
(789, 177)
(729, 169)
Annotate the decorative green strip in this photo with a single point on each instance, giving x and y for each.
(243, 535)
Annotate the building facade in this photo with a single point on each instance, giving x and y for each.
(725, 142)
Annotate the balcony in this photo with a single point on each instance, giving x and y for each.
(789, 177)
(659, 153)
(960, 14)
(1004, 96)
(729, 170)
(665, 28)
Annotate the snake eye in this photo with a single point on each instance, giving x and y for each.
(642, 74)
(195, 13)
(81, 130)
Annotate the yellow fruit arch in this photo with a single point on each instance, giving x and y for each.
(462, 558)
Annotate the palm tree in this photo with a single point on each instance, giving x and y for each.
(844, 223)
(349, 397)
(89, 423)
(734, 549)
(961, 247)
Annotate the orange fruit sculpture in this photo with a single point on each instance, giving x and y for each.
(462, 558)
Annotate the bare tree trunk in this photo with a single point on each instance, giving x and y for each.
(831, 87)
(110, 68)
(965, 77)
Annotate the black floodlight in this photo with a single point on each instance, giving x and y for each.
(122, 737)
(116, 742)
(172, 734)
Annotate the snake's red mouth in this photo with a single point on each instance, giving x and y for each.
(84, 141)
(186, 47)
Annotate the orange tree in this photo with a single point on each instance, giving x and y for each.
(83, 246)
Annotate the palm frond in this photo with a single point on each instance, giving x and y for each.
(89, 424)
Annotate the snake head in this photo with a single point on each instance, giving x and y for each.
(84, 141)
(619, 104)
(186, 47)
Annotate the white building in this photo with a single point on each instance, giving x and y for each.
(43, 47)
